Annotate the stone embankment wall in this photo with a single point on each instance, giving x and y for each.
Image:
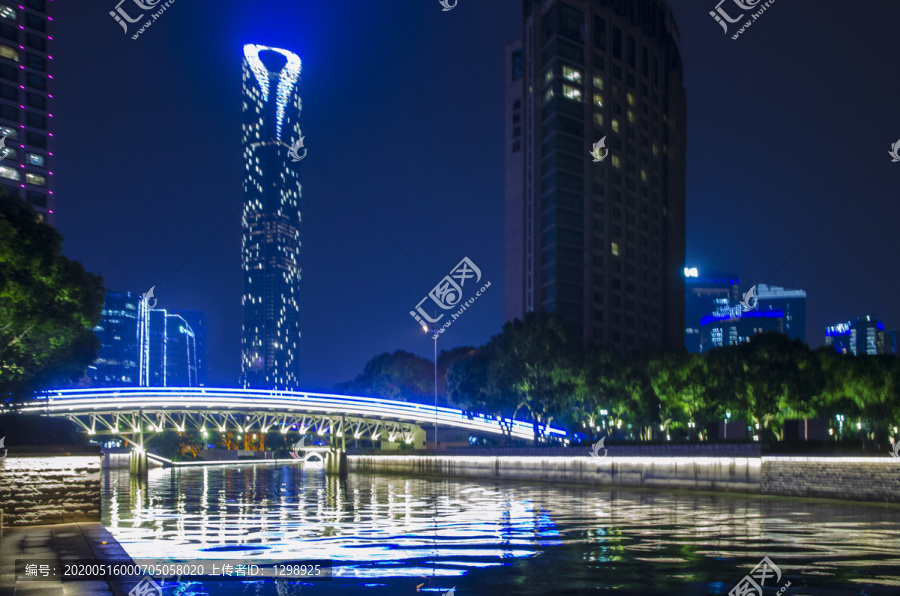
(731, 474)
(855, 478)
(848, 478)
(36, 489)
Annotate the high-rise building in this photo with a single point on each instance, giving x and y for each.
(271, 219)
(865, 335)
(168, 357)
(118, 362)
(702, 291)
(25, 119)
(792, 303)
(601, 243)
(197, 321)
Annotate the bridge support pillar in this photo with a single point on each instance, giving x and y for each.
(336, 463)
(138, 464)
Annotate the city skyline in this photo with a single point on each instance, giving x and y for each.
(405, 165)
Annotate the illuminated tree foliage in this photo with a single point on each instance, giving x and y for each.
(48, 306)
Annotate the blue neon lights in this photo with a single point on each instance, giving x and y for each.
(286, 79)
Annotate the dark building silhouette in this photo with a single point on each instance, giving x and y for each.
(271, 219)
(601, 243)
(791, 303)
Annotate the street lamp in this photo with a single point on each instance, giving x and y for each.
(425, 329)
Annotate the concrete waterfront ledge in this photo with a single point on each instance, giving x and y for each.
(847, 478)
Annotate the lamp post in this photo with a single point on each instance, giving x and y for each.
(425, 328)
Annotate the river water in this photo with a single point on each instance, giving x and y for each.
(396, 535)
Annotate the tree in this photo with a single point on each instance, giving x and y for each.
(49, 306)
(401, 375)
(539, 358)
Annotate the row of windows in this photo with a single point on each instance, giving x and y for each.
(38, 199)
(30, 177)
(31, 60)
(31, 138)
(11, 73)
(31, 119)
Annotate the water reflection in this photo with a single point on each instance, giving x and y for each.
(390, 533)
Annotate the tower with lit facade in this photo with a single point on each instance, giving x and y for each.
(602, 243)
(270, 245)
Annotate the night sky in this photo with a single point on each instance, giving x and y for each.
(789, 180)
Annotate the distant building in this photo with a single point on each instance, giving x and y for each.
(865, 335)
(143, 348)
(197, 321)
(117, 363)
(790, 302)
(600, 242)
(890, 343)
(729, 325)
(700, 296)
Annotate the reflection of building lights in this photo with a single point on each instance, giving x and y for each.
(859, 425)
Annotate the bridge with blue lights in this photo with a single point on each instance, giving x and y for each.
(136, 410)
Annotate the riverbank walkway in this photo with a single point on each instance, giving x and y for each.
(59, 542)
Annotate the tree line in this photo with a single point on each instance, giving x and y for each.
(540, 371)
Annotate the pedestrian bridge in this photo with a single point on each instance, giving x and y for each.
(135, 410)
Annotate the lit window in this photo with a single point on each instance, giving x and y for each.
(630, 116)
(615, 125)
(35, 179)
(598, 82)
(615, 249)
(9, 173)
(655, 149)
(8, 52)
(549, 76)
(616, 162)
(571, 74)
(598, 100)
(7, 13)
(13, 153)
(630, 97)
(548, 95)
(571, 92)
(598, 119)
(643, 175)
(6, 131)
(36, 160)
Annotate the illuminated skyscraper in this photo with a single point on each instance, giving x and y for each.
(271, 219)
